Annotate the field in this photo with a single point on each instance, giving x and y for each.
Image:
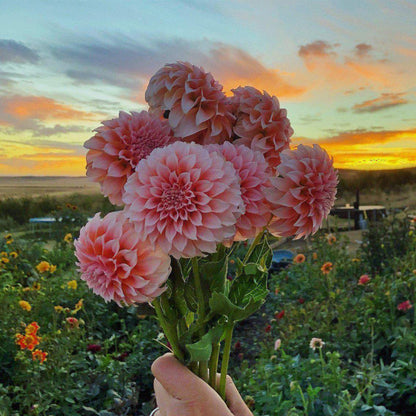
(354, 292)
(34, 186)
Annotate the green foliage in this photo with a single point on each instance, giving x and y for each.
(366, 367)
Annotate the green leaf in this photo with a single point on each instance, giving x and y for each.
(201, 350)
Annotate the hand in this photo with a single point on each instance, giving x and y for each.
(179, 392)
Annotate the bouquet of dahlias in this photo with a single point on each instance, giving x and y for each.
(198, 174)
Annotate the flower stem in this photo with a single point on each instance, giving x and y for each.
(226, 358)
(199, 292)
(253, 246)
(169, 330)
(213, 365)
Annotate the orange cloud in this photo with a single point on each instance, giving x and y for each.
(41, 108)
(386, 100)
(321, 59)
(235, 67)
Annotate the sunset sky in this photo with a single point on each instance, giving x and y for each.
(344, 70)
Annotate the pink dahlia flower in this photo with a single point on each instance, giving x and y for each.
(184, 199)
(404, 306)
(116, 264)
(261, 124)
(119, 145)
(192, 101)
(252, 170)
(303, 193)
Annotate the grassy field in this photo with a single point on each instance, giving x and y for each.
(33, 186)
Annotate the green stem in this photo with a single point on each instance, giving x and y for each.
(199, 292)
(226, 358)
(213, 365)
(169, 330)
(253, 246)
(203, 370)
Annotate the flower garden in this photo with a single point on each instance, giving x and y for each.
(336, 335)
(200, 189)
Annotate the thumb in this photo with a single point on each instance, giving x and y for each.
(235, 402)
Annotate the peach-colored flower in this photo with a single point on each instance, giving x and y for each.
(299, 258)
(316, 343)
(326, 267)
(184, 199)
(252, 170)
(261, 124)
(277, 344)
(192, 101)
(119, 145)
(116, 264)
(302, 196)
(364, 279)
(72, 322)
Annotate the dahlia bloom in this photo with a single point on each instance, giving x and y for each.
(277, 344)
(261, 124)
(184, 199)
(192, 101)
(303, 193)
(39, 355)
(252, 171)
(116, 264)
(119, 145)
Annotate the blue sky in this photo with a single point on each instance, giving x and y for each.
(343, 69)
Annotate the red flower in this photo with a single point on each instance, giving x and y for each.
(404, 306)
(237, 346)
(301, 301)
(279, 315)
(364, 279)
(268, 328)
(94, 348)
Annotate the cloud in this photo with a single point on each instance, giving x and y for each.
(360, 137)
(16, 52)
(40, 108)
(318, 48)
(129, 64)
(386, 100)
(362, 50)
(18, 113)
(348, 71)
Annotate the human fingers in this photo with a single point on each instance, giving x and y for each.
(235, 402)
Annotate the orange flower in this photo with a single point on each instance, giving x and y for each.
(326, 267)
(27, 341)
(300, 258)
(25, 305)
(331, 239)
(52, 268)
(314, 256)
(43, 266)
(5, 260)
(32, 328)
(39, 355)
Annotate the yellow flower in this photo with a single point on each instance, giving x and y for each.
(68, 238)
(25, 305)
(36, 286)
(52, 269)
(43, 266)
(26, 289)
(72, 284)
(78, 306)
(13, 254)
(58, 308)
(5, 260)
(9, 241)
(3, 254)
(356, 260)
